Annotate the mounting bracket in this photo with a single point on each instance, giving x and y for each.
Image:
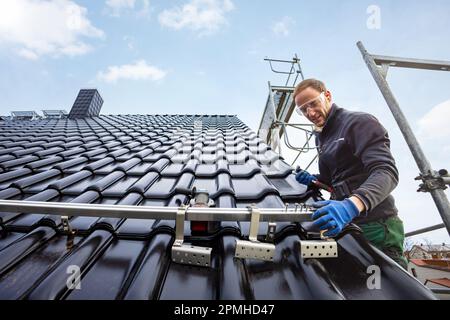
(184, 253)
(253, 249)
(318, 249)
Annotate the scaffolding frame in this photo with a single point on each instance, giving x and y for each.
(279, 108)
(434, 182)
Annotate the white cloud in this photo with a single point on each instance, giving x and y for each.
(203, 16)
(282, 27)
(140, 70)
(130, 42)
(120, 4)
(35, 28)
(145, 10)
(27, 54)
(434, 125)
(117, 7)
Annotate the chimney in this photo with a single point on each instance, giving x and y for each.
(87, 105)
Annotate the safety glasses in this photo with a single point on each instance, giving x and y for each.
(313, 103)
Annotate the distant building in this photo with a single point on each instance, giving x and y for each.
(429, 252)
(443, 283)
(433, 273)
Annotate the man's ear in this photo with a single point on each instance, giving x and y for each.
(328, 95)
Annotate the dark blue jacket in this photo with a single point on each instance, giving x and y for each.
(355, 144)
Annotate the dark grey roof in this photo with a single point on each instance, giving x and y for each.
(156, 160)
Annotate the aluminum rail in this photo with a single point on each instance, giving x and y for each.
(438, 195)
(298, 214)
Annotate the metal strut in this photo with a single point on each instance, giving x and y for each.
(431, 182)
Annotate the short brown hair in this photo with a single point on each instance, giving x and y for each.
(310, 83)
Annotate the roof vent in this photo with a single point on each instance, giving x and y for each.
(88, 104)
(24, 115)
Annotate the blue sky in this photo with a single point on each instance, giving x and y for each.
(206, 57)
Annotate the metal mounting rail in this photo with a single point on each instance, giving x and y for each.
(300, 213)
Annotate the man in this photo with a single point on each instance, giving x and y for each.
(355, 159)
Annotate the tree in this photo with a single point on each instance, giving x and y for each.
(408, 244)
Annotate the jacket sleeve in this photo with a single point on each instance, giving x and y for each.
(324, 174)
(370, 142)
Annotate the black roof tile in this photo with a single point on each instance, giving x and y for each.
(156, 160)
(35, 178)
(95, 154)
(14, 174)
(6, 158)
(43, 163)
(84, 254)
(9, 193)
(25, 152)
(69, 180)
(12, 164)
(27, 273)
(94, 166)
(9, 150)
(81, 185)
(71, 153)
(144, 183)
(48, 152)
(113, 267)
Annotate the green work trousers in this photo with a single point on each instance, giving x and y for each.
(387, 235)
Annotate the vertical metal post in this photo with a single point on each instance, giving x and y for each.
(274, 132)
(438, 195)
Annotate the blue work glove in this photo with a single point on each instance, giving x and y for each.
(304, 177)
(334, 216)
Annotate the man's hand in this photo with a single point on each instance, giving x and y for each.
(304, 177)
(334, 216)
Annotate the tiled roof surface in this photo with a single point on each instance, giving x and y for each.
(445, 282)
(432, 263)
(436, 248)
(155, 161)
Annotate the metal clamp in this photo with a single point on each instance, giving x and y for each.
(2, 231)
(271, 229)
(69, 231)
(188, 254)
(433, 181)
(66, 224)
(253, 249)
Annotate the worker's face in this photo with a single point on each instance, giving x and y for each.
(314, 105)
